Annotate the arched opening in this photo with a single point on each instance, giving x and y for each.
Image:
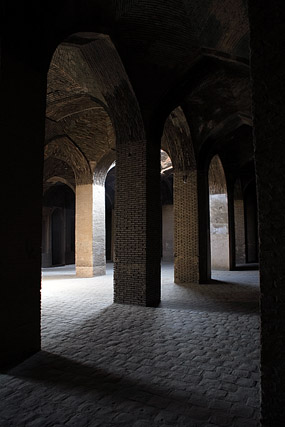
(167, 215)
(219, 224)
(161, 47)
(167, 241)
(177, 141)
(80, 140)
(58, 231)
(245, 219)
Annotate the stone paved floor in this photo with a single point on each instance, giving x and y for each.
(193, 361)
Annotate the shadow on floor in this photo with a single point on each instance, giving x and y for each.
(61, 373)
(243, 307)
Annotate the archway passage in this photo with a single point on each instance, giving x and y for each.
(167, 212)
(167, 240)
(219, 226)
(245, 219)
(57, 234)
(58, 241)
(168, 50)
(177, 141)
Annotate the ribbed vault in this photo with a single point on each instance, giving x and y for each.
(176, 140)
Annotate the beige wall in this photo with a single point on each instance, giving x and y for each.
(219, 232)
(90, 230)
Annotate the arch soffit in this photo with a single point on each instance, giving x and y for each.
(209, 66)
(211, 145)
(63, 149)
(102, 167)
(117, 20)
(177, 142)
(58, 179)
(102, 79)
(216, 176)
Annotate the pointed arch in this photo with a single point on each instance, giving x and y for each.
(219, 221)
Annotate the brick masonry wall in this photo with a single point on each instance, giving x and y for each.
(239, 231)
(22, 105)
(186, 251)
(268, 76)
(137, 207)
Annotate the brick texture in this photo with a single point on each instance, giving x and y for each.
(138, 224)
(268, 75)
(239, 231)
(22, 104)
(186, 251)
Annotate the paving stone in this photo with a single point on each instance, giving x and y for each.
(197, 413)
(141, 423)
(221, 419)
(193, 361)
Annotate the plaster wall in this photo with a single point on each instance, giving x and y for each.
(219, 232)
(84, 231)
(99, 235)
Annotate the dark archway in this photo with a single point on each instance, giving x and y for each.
(57, 237)
(58, 226)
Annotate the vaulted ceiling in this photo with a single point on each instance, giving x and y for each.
(155, 56)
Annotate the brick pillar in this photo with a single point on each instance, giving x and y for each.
(22, 113)
(138, 223)
(186, 250)
(90, 230)
(204, 227)
(231, 216)
(268, 76)
(239, 231)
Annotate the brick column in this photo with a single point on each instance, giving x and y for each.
(90, 230)
(138, 223)
(268, 77)
(239, 231)
(22, 115)
(186, 250)
(204, 227)
(231, 216)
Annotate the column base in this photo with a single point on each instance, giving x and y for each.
(186, 270)
(90, 271)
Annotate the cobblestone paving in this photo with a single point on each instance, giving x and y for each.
(193, 361)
